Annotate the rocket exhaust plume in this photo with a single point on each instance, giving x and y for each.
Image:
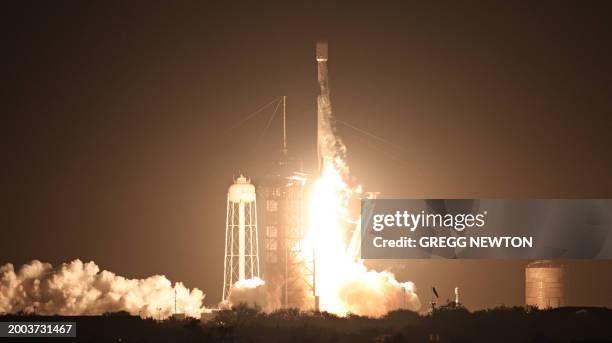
(342, 282)
(78, 288)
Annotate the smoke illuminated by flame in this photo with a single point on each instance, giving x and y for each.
(78, 288)
(343, 283)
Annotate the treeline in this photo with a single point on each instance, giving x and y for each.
(448, 324)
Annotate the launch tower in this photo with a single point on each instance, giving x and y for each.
(282, 193)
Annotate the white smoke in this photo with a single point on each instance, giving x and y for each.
(78, 288)
(374, 294)
(254, 293)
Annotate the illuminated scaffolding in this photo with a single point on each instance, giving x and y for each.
(285, 268)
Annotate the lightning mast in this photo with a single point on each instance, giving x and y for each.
(284, 149)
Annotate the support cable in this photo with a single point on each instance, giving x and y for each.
(380, 139)
(265, 130)
(371, 135)
(252, 114)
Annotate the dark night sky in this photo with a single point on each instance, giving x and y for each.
(115, 142)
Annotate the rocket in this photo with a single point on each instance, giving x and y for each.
(322, 58)
(323, 100)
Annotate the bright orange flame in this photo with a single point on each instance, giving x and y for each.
(343, 283)
(328, 208)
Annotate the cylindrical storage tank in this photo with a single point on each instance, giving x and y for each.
(544, 284)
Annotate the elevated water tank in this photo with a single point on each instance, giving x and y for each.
(241, 244)
(544, 284)
(241, 191)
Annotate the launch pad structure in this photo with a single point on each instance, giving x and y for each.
(278, 244)
(288, 271)
(285, 267)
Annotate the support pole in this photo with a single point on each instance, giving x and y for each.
(241, 241)
(284, 150)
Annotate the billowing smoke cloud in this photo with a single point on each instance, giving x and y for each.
(371, 293)
(78, 288)
(254, 293)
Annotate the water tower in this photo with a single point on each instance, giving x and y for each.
(241, 245)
